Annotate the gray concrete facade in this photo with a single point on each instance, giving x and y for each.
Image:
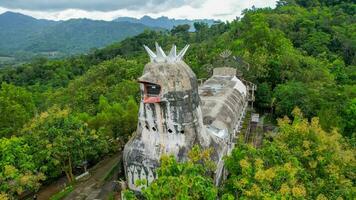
(175, 115)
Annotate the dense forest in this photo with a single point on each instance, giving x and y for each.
(24, 37)
(57, 114)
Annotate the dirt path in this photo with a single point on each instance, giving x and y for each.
(47, 191)
(95, 187)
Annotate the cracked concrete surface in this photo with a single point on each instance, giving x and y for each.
(181, 116)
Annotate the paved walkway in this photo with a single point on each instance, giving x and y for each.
(95, 187)
(47, 191)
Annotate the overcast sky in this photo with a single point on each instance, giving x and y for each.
(111, 9)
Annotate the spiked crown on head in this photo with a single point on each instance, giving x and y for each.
(160, 56)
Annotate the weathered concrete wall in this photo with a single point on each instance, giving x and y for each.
(169, 126)
(224, 71)
(224, 101)
(172, 122)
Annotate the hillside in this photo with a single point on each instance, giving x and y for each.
(22, 35)
(80, 35)
(16, 31)
(56, 114)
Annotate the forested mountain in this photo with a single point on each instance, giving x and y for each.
(16, 31)
(80, 35)
(22, 35)
(55, 114)
(164, 22)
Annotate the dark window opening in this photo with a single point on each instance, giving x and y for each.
(154, 129)
(152, 90)
(181, 131)
(147, 127)
(170, 131)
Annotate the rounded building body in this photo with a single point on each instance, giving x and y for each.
(175, 115)
(224, 102)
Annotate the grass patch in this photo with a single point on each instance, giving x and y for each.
(60, 195)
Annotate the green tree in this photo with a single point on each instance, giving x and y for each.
(349, 117)
(317, 43)
(17, 167)
(181, 31)
(116, 120)
(303, 51)
(301, 162)
(187, 180)
(16, 108)
(264, 96)
(67, 140)
(201, 30)
(339, 72)
(292, 94)
(83, 93)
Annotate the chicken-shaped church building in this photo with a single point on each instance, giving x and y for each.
(175, 114)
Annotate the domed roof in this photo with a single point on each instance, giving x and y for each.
(170, 72)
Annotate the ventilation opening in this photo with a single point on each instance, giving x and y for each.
(170, 131)
(182, 132)
(148, 128)
(153, 128)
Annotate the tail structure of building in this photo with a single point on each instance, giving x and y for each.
(175, 114)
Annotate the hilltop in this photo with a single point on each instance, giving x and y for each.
(56, 114)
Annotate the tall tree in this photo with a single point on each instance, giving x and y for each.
(16, 108)
(301, 162)
(67, 140)
(17, 167)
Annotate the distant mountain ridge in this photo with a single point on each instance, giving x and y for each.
(164, 22)
(17, 29)
(25, 36)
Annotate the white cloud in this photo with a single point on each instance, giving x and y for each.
(100, 5)
(215, 9)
